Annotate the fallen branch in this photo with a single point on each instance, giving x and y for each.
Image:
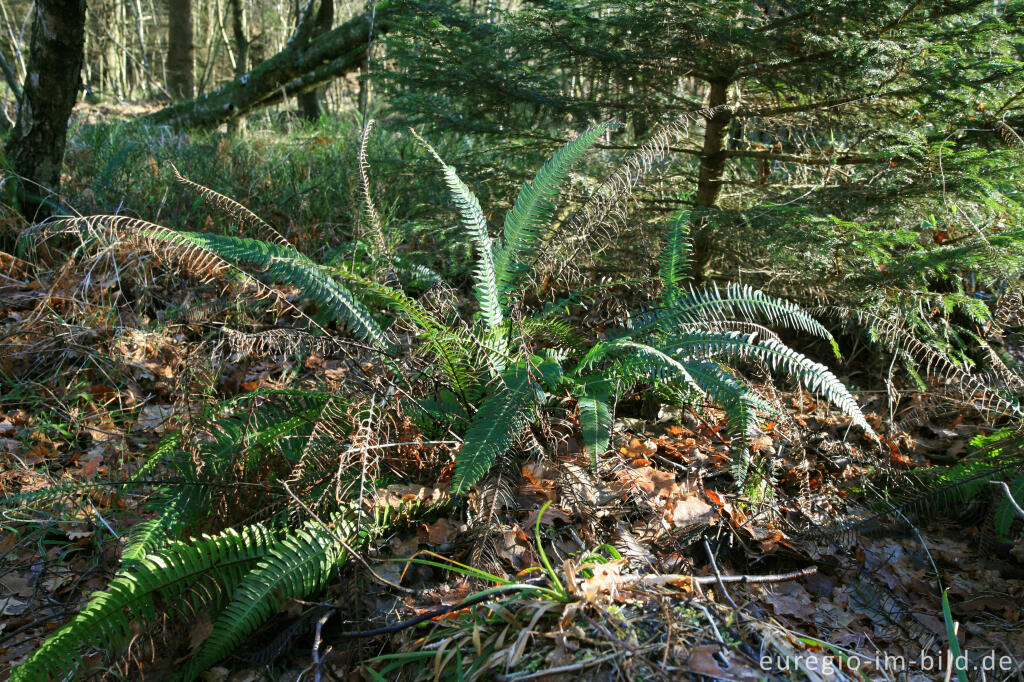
(682, 578)
(1009, 496)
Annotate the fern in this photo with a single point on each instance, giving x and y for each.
(299, 565)
(495, 427)
(198, 573)
(528, 220)
(284, 265)
(778, 356)
(451, 349)
(596, 424)
(675, 255)
(710, 305)
(485, 275)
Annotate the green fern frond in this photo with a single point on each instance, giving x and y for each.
(485, 278)
(213, 255)
(494, 428)
(167, 446)
(198, 572)
(284, 265)
(675, 255)
(711, 305)
(176, 509)
(811, 375)
(596, 424)
(528, 221)
(300, 564)
(740, 405)
(451, 350)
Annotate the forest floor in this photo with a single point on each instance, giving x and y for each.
(843, 598)
(661, 569)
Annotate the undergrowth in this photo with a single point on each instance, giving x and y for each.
(258, 500)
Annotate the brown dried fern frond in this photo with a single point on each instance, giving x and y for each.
(374, 229)
(934, 363)
(224, 203)
(283, 340)
(186, 255)
(606, 209)
(1009, 136)
(320, 461)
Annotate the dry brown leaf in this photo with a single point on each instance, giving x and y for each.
(394, 495)
(690, 511)
(791, 599)
(17, 585)
(153, 417)
(652, 481)
(9, 606)
(703, 661)
(200, 631)
(551, 514)
(514, 548)
(605, 579)
(639, 449)
(437, 533)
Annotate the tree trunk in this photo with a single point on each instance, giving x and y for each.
(709, 180)
(181, 53)
(36, 146)
(240, 35)
(309, 101)
(292, 71)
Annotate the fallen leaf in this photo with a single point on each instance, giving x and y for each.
(9, 606)
(551, 514)
(652, 481)
(639, 449)
(437, 533)
(395, 495)
(604, 580)
(200, 631)
(691, 511)
(704, 660)
(791, 599)
(152, 417)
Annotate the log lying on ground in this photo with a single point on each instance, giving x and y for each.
(296, 69)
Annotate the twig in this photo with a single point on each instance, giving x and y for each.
(317, 661)
(718, 579)
(348, 548)
(441, 610)
(1009, 496)
(604, 631)
(677, 578)
(562, 668)
(103, 520)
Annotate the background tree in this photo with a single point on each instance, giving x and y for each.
(321, 19)
(821, 108)
(181, 63)
(35, 148)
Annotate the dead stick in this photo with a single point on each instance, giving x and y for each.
(718, 579)
(674, 578)
(1009, 496)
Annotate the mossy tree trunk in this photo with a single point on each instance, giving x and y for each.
(36, 145)
(300, 67)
